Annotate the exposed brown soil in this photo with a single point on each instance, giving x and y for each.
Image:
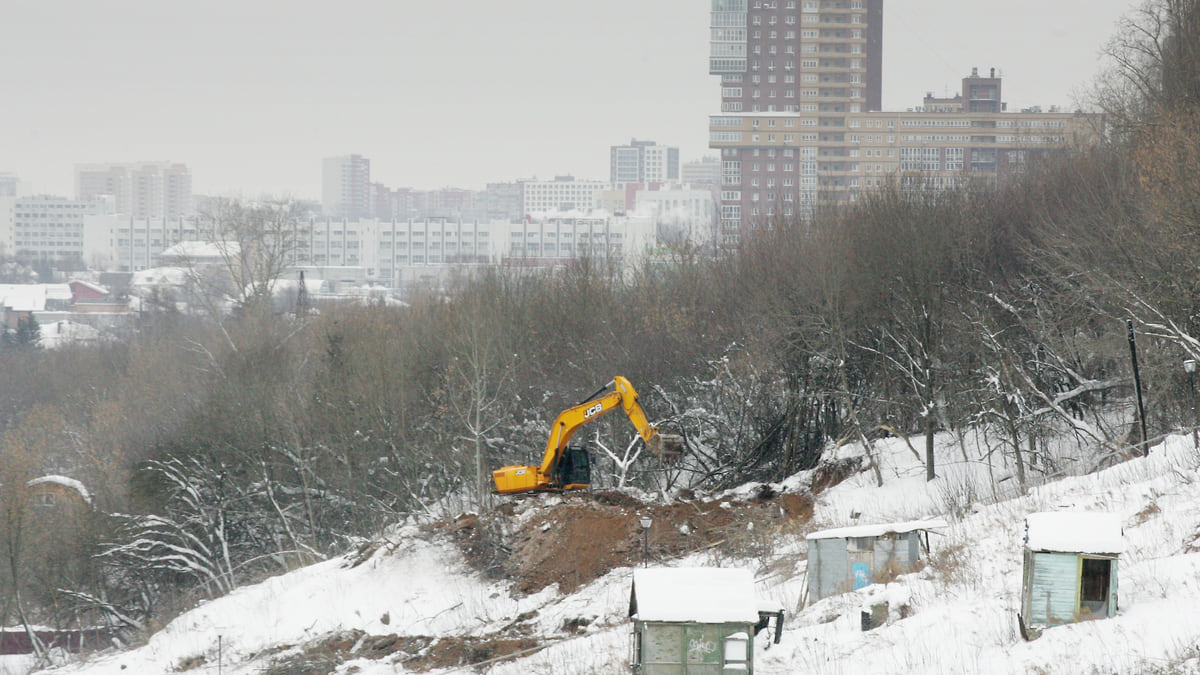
(541, 540)
(585, 535)
(417, 653)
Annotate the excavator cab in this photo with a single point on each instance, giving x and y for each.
(574, 468)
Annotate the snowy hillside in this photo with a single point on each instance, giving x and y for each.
(413, 605)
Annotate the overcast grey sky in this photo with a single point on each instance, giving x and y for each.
(251, 94)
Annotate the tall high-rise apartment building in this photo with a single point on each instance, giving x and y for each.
(138, 189)
(801, 119)
(346, 187)
(643, 162)
(820, 57)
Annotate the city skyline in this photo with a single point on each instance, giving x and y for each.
(252, 98)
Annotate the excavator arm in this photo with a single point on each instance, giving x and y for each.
(565, 467)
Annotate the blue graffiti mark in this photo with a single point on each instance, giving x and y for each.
(862, 575)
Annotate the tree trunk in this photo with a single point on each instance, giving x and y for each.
(930, 425)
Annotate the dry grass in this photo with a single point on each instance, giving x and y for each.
(953, 565)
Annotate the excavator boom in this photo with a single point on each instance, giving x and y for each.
(566, 467)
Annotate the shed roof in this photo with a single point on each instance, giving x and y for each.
(1074, 532)
(880, 529)
(699, 594)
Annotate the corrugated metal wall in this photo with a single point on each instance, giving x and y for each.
(831, 563)
(899, 551)
(1053, 589)
(828, 568)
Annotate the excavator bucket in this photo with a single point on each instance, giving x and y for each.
(667, 447)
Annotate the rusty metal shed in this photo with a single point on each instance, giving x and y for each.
(848, 558)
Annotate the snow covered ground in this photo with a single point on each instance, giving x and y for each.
(962, 606)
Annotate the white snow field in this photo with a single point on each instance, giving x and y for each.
(960, 616)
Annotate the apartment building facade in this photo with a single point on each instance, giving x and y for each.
(801, 117)
(10, 184)
(49, 228)
(563, 194)
(643, 162)
(138, 189)
(346, 190)
(703, 171)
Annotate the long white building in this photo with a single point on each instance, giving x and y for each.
(564, 193)
(45, 227)
(392, 253)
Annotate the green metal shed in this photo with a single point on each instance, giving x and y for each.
(693, 621)
(1070, 569)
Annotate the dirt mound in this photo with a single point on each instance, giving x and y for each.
(573, 539)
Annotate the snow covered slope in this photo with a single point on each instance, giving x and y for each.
(959, 616)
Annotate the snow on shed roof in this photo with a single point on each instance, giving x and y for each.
(1074, 532)
(699, 594)
(880, 529)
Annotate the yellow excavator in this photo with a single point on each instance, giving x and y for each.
(566, 467)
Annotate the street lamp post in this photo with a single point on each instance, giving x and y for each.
(646, 523)
(1190, 366)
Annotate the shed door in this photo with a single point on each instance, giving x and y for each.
(1096, 577)
(1054, 591)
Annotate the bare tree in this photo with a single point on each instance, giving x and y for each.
(1153, 65)
(480, 371)
(21, 457)
(252, 245)
(915, 292)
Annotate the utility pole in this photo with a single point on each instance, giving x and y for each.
(1137, 385)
